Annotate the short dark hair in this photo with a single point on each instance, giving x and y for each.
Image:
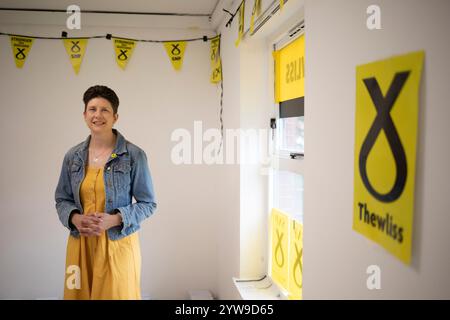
(102, 92)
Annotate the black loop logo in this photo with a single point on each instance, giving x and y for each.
(175, 50)
(278, 248)
(213, 54)
(20, 55)
(383, 121)
(75, 48)
(122, 56)
(297, 265)
(216, 72)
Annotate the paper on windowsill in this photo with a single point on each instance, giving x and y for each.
(258, 289)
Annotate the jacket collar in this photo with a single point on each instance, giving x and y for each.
(120, 148)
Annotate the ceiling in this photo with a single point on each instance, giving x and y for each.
(200, 7)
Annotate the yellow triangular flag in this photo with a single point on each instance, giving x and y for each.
(255, 13)
(175, 51)
(216, 75)
(21, 46)
(75, 48)
(281, 4)
(241, 23)
(123, 50)
(214, 52)
(216, 65)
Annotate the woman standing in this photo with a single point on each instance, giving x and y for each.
(98, 180)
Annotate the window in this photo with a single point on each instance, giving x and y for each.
(291, 135)
(286, 183)
(288, 193)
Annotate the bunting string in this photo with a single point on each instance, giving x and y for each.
(107, 36)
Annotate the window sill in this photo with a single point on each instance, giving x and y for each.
(258, 289)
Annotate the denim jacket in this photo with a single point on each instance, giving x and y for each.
(126, 175)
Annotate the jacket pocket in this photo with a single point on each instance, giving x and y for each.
(122, 176)
(75, 172)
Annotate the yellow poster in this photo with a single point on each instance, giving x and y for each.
(387, 102)
(255, 13)
(123, 49)
(290, 71)
(75, 48)
(175, 51)
(21, 46)
(280, 241)
(295, 284)
(216, 75)
(241, 23)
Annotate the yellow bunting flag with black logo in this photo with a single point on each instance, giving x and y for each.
(295, 284)
(214, 51)
(216, 75)
(123, 49)
(241, 23)
(175, 51)
(281, 4)
(21, 46)
(75, 49)
(386, 117)
(255, 13)
(216, 64)
(280, 239)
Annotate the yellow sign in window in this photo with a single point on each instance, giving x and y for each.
(287, 253)
(295, 284)
(280, 242)
(290, 71)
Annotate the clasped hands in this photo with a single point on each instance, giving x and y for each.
(94, 225)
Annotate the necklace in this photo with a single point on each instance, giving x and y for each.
(98, 156)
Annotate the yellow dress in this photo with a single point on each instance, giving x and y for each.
(97, 267)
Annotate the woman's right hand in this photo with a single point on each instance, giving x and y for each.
(87, 225)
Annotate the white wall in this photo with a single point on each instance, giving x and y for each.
(228, 239)
(41, 118)
(335, 256)
(255, 113)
